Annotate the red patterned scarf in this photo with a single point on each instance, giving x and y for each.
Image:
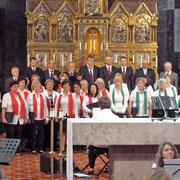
(41, 106)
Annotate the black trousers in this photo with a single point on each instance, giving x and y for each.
(37, 134)
(13, 131)
(93, 154)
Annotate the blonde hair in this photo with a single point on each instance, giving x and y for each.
(63, 75)
(35, 75)
(118, 78)
(49, 81)
(84, 82)
(35, 83)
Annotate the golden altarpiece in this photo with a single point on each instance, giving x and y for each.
(70, 30)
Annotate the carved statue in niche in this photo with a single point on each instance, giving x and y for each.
(41, 29)
(65, 30)
(119, 31)
(142, 33)
(93, 7)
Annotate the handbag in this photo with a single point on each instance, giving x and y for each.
(9, 117)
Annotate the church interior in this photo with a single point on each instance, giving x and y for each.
(68, 31)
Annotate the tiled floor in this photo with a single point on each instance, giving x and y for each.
(27, 167)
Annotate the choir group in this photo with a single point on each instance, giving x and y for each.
(27, 100)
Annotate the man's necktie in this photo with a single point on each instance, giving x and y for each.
(51, 74)
(109, 71)
(123, 73)
(34, 69)
(91, 76)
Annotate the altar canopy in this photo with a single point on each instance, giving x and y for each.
(70, 30)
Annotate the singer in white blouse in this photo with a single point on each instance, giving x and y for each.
(101, 87)
(37, 104)
(119, 97)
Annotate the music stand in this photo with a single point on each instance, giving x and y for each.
(173, 166)
(164, 106)
(8, 148)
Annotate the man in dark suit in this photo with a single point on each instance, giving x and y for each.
(72, 74)
(33, 69)
(145, 71)
(14, 77)
(52, 73)
(168, 71)
(89, 71)
(108, 71)
(127, 73)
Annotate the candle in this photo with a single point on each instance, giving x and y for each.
(141, 61)
(85, 45)
(45, 60)
(156, 62)
(62, 62)
(101, 46)
(70, 58)
(133, 58)
(54, 57)
(80, 46)
(116, 57)
(61, 114)
(52, 114)
(28, 62)
(106, 46)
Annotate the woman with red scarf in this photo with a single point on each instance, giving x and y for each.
(79, 98)
(14, 111)
(101, 87)
(91, 98)
(67, 102)
(37, 105)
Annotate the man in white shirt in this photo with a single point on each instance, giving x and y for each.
(105, 113)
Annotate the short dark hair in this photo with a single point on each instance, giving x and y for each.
(76, 83)
(22, 79)
(89, 90)
(12, 83)
(90, 57)
(65, 82)
(105, 102)
(32, 58)
(123, 57)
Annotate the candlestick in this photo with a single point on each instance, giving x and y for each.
(116, 58)
(133, 58)
(54, 57)
(45, 60)
(101, 46)
(106, 46)
(70, 58)
(156, 62)
(85, 45)
(62, 60)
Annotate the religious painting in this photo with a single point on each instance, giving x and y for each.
(93, 7)
(116, 57)
(65, 29)
(119, 31)
(140, 56)
(41, 29)
(64, 58)
(42, 58)
(142, 30)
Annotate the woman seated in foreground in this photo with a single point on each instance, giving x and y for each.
(166, 150)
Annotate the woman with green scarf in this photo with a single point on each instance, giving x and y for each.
(119, 96)
(162, 91)
(140, 104)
